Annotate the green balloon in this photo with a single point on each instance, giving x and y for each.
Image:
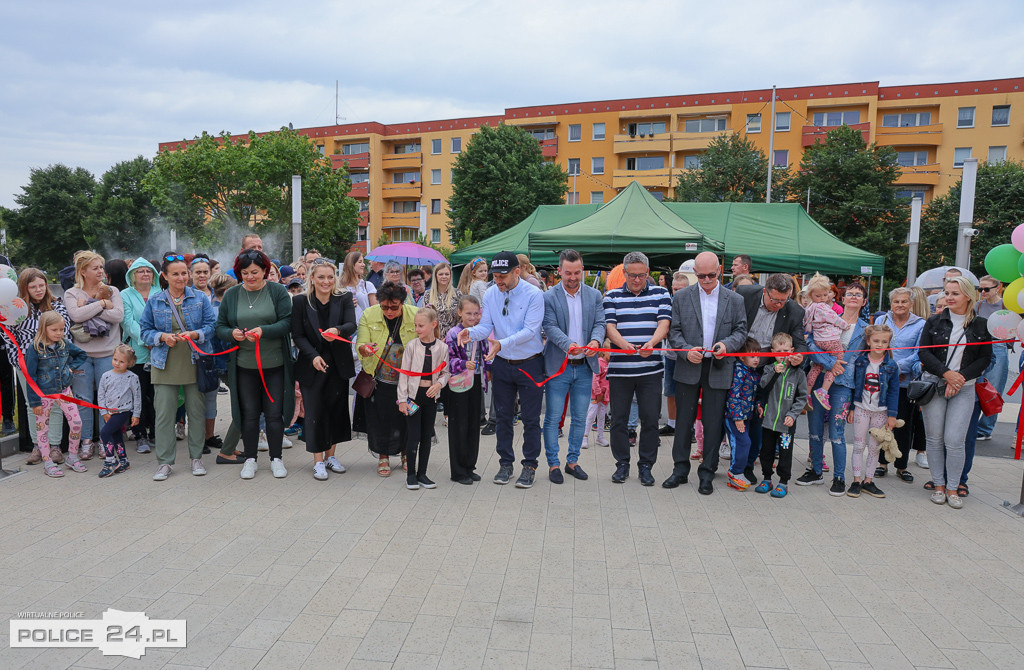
(1020, 265)
(1003, 263)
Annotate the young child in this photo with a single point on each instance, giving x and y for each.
(423, 354)
(825, 327)
(739, 408)
(120, 390)
(876, 378)
(782, 397)
(598, 399)
(464, 406)
(49, 361)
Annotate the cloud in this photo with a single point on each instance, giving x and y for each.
(93, 84)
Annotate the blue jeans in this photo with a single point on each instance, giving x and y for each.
(83, 383)
(574, 382)
(840, 399)
(997, 373)
(740, 445)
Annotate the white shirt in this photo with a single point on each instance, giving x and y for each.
(575, 304)
(709, 315)
(956, 356)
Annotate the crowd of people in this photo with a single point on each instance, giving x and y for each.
(327, 353)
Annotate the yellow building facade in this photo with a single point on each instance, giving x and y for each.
(401, 173)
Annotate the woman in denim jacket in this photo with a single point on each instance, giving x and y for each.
(172, 359)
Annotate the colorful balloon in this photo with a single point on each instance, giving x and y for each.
(8, 290)
(1001, 263)
(1011, 295)
(8, 272)
(1017, 237)
(1002, 325)
(13, 312)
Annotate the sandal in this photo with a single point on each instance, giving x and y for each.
(929, 485)
(52, 470)
(963, 491)
(905, 476)
(384, 467)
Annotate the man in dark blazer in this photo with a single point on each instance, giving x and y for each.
(573, 318)
(770, 309)
(709, 319)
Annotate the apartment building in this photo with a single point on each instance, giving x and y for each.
(401, 173)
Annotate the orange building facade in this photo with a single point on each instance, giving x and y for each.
(401, 173)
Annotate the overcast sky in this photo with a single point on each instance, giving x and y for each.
(94, 83)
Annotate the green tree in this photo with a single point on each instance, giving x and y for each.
(499, 179)
(49, 225)
(732, 169)
(122, 214)
(853, 195)
(998, 209)
(213, 183)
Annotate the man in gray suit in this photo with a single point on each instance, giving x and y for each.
(573, 318)
(711, 320)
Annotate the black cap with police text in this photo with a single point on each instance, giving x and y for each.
(504, 262)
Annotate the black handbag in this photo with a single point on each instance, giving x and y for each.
(921, 392)
(207, 378)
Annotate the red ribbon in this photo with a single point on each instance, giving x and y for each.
(1020, 417)
(410, 373)
(35, 387)
(259, 360)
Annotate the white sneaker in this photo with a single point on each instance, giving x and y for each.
(319, 471)
(922, 460)
(277, 467)
(262, 444)
(602, 441)
(249, 468)
(724, 452)
(198, 469)
(85, 450)
(286, 443)
(162, 473)
(334, 464)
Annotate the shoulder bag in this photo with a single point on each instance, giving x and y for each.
(921, 391)
(207, 378)
(463, 381)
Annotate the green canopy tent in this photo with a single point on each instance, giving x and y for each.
(634, 220)
(778, 237)
(516, 238)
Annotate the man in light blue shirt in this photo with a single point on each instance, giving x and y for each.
(514, 310)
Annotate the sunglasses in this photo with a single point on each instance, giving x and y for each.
(504, 310)
(986, 289)
(172, 258)
(319, 260)
(198, 259)
(709, 275)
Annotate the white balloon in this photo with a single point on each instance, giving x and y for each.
(1003, 324)
(13, 312)
(8, 290)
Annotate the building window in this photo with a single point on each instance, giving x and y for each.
(402, 234)
(911, 158)
(1001, 115)
(320, 149)
(542, 134)
(753, 123)
(906, 120)
(435, 177)
(912, 192)
(407, 148)
(435, 236)
(704, 125)
(598, 131)
(691, 162)
(781, 121)
(575, 132)
(836, 118)
(456, 145)
(359, 177)
(435, 206)
(405, 206)
(597, 197)
(364, 205)
(572, 198)
(965, 117)
(597, 165)
(405, 177)
(959, 154)
(435, 146)
(357, 148)
(997, 154)
(646, 163)
(642, 129)
(574, 166)
(361, 233)
(781, 158)
(658, 195)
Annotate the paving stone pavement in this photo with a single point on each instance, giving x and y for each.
(359, 572)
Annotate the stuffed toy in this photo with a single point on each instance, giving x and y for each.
(887, 441)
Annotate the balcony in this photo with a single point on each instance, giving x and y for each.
(364, 218)
(633, 144)
(919, 174)
(401, 220)
(360, 190)
(683, 141)
(648, 178)
(810, 134)
(402, 161)
(411, 191)
(359, 246)
(355, 161)
(917, 136)
(549, 148)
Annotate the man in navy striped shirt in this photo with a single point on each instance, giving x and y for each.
(638, 317)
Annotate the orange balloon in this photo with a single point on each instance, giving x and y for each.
(616, 278)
